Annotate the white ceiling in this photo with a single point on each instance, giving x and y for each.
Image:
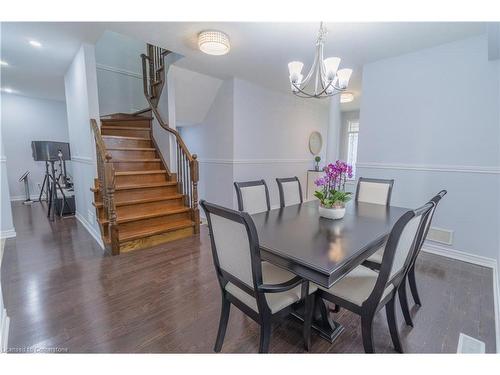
(259, 51)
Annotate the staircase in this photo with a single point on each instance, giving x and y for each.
(139, 202)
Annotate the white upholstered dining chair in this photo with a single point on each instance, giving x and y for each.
(365, 291)
(374, 190)
(290, 191)
(259, 289)
(374, 262)
(253, 196)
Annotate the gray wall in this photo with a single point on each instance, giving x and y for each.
(24, 120)
(430, 120)
(271, 135)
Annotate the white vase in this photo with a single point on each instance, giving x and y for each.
(333, 213)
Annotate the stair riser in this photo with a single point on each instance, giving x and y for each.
(137, 166)
(147, 208)
(141, 179)
(141, 224)
(126, 132)
(133, 154)
(155, 192)
(130, 123)
(122, 142)
(150, 241)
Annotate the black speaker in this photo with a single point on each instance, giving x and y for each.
(48, 150)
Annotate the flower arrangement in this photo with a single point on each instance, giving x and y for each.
(332, 193)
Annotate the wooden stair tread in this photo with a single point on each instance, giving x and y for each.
(124, 117)
(117, 127)
(133, 173)
(131, 202)
(130, 148)
(164, 211)
(129, 235)
(145, 186)
(125, 137)
(135, 160)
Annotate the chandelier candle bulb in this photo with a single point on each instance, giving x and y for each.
(294, 68)
(343, 76)
(331, 65)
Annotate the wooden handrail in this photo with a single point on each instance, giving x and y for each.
(106, 179)
(153, 77)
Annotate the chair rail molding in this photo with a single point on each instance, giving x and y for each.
(431, 167)
(255, 161)
(83, 159)
(124, 72)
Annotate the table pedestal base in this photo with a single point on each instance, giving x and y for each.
(322, 323)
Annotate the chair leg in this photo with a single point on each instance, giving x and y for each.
(224, 317)
(265, 336)
(308, 316)
(367, 333)
(390, 310)
(403, 301)
(413, 286)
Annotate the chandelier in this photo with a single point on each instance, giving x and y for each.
(325, 76)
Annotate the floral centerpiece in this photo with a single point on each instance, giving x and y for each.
(332, 195)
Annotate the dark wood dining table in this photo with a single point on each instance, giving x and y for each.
(321, 250)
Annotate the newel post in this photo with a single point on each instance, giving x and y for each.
(110, 195)
(194, 180)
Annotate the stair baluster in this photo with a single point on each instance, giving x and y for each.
(154, 77)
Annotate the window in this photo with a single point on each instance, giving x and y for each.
(352, 144)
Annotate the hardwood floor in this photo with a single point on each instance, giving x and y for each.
(62, 292)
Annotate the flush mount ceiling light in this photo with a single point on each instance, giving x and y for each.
(4, 63)
(35, 43)
(346, 97)
(213, 42)
(325, 77)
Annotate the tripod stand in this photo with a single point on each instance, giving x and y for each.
(51, 184)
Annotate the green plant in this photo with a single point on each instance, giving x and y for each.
(317, 159)
(332, 198)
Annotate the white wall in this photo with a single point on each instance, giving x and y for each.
(430, 120)
(82, 104)
(212, 141)
(119, 73)
(271, 135)
(24, 120)
(6, 226)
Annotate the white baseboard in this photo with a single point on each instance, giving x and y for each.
(9, 233)
(33, 197)
(89, 228)
(4, 333)
(479, 260)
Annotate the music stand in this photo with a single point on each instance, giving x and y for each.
(24, 178)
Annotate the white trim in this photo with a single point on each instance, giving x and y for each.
(33, 197)
(9, 233)
(255, 161)
(113, 69)
(83, 159)
(90, 229)
(432, 168)
(4, 333)
(480, 261)
(3, 159)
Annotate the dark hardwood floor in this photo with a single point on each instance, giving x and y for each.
(62, 292)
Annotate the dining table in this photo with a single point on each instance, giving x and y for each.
(322, 250)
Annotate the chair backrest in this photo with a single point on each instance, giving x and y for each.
(399, 250)
(374, 190)
(436, 199)
(290, 191)
(253, 196)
